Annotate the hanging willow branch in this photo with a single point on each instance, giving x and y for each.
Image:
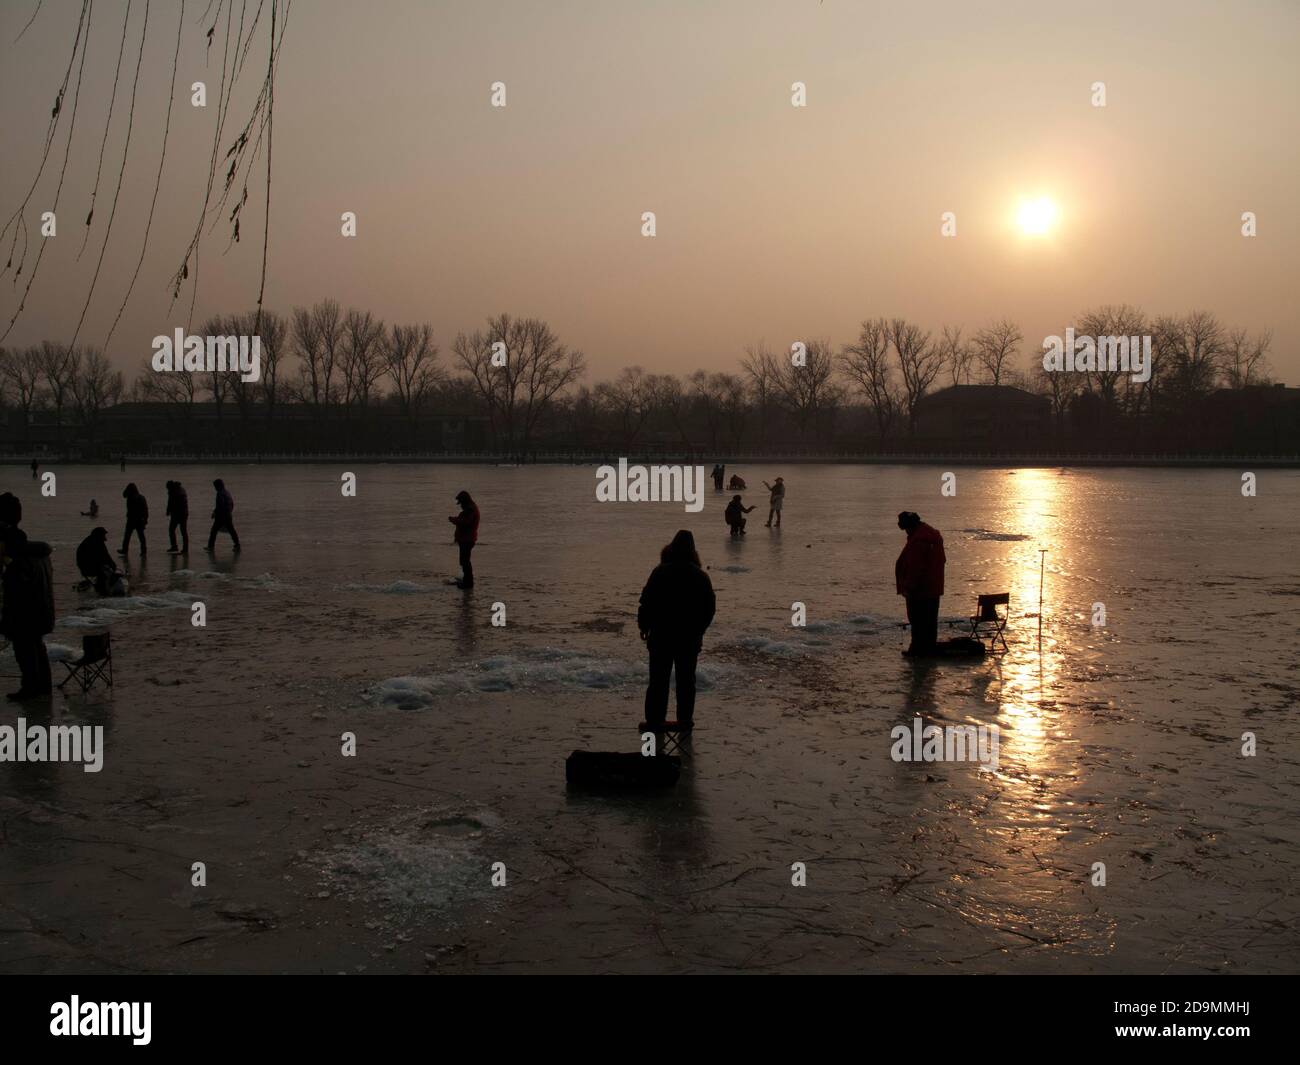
(242, 154)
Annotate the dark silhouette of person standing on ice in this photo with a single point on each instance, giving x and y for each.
(137, 517)
(918, 575)
(466, 536)
(677, 607)
(223, 515)
(178, 510)
(777, 501)
(27, 610)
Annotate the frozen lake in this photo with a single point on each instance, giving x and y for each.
(1120, 744)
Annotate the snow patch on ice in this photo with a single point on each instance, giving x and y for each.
(393, 588)
(541, 669)
(105, 611)
(429, 859)
(987, 534)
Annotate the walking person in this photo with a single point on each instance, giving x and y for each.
(719, 472)
(677, 607)
(35, 467)
(27, 610)
(223, 515)
(178, 510)
(918, 576)
(776, 502)
(137, 517)
(466, 536)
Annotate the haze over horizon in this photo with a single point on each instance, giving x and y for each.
(773, 222)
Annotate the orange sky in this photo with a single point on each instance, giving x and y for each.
(773, 222)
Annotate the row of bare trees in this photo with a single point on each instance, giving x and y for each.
(342, 364)
(77, 384)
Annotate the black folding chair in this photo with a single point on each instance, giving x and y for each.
(95, 663)
(670, 738)
(987, 623)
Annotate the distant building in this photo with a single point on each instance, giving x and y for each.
(983, 418)
(1259, 420)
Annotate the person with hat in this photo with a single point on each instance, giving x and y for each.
(918, 577)
(466, 537)
(778, 498)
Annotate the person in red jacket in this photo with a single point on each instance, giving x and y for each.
(918, 575)
(466, 537)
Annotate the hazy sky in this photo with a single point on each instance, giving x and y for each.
(774, 222)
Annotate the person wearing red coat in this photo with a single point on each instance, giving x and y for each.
(918, 576)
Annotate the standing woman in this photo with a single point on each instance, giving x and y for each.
(677, 606)
(777, 502)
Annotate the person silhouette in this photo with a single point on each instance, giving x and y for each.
(223, 515)
(466, 536)
(677, 607)
(918, 577)
(137, 517)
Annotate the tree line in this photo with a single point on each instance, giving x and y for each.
(345, 368)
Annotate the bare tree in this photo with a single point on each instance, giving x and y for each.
(995, 348)
(95, 387)
(735, 406)
(58, 366)
(318, 341)
(866, 366)
(1246, 358)
(958, 355)
(1193, 354)
(274, 332)
(919, 363)
(410, 359)
(809, 390)
(630, 399)
(363, 362)
(1118, 320)
(537, 366)
(22, 370)
(763, 372)
(709, 391)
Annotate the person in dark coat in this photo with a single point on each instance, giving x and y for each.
(466, 536)
(27, 610)
(178, 509)
(677, 607)
(735, 515)
(223, 515)
(137, 517)
(918, 576)
(94, 561)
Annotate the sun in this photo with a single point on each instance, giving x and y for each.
(1036, 217)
